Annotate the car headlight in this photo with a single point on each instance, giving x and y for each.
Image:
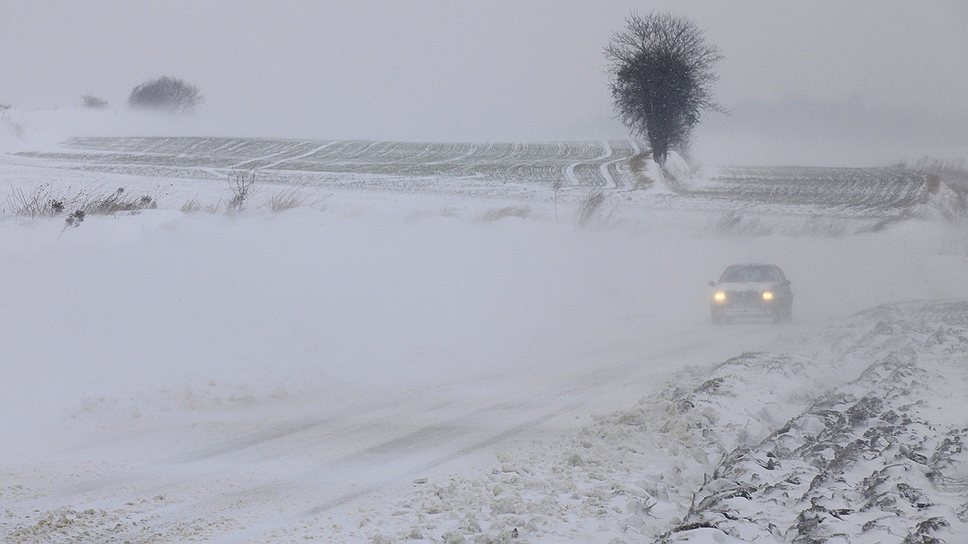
(719, 296)
(767, 295)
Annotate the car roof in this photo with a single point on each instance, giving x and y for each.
(779, 272)
(751, 265)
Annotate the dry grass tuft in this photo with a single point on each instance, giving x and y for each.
(287, 200)
(43, 201)
(109, 203)
(39, 202)
(591, 209)
(194, 206)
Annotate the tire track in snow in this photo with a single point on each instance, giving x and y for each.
(606, 177)
(338, 424)
(603, 168)
(279, 433)
(402, 473)
(570, 173)
(396, 460)
(445, 458)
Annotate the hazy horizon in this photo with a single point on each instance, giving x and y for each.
(866, 83)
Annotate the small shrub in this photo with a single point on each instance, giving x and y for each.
(75, 218)
(94, 102)
(241, 183)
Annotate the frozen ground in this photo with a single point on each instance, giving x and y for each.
(425, 353)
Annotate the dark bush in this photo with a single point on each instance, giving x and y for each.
(165, 94)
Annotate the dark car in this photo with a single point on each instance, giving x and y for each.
(751, 290)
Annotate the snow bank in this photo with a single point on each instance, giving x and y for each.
(769, 446)
(879, 459)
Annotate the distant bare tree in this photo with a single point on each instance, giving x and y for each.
(241, 183)
(661, 75)
(165, 94)
(91, 101)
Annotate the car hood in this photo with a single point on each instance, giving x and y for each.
(748, 286)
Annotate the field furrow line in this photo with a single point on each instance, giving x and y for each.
(262, 158)
(303, 156)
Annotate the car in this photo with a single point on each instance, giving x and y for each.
(751, 290)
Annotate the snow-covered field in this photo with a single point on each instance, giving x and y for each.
(431, 348)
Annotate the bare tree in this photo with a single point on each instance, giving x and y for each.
(165, 94)
(661, 75)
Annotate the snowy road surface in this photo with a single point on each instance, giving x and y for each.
(409, 365)
(321, 404)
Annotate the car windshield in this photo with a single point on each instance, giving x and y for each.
(747, 274)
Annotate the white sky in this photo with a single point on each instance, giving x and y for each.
(500, 69)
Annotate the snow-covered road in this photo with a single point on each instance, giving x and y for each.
(289, 380)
